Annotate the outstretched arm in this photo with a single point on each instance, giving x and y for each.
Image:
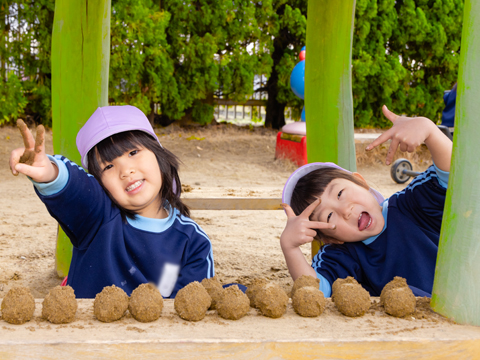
(408, 133)
(298, 231)
(31, 160)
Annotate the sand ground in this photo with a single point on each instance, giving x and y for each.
(218, 161)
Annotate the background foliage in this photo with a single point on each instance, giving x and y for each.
(171, 58)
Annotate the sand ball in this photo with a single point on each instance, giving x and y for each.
(110, 304)
(146, 303)
(214, 289)
(60, 305)
(233, 304)
(252, 290)
(272, 300)
(400, 302)
(18, 306)
(352, 300)
(337, 283)
(309, 301)
(192, 302)
(304, 280)
(397, 282)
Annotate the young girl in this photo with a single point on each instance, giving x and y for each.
(365, 236)
(125, 218)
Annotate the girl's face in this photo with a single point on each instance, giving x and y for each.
(352, 208)
(134, 180)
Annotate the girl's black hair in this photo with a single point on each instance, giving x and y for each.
(118, 144)
(312, 185)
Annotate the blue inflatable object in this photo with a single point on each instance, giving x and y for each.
(297, 79)
(448, 114)
(303, 114)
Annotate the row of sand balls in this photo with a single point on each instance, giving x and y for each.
(192, 302)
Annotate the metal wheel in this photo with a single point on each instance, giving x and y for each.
(399, 171)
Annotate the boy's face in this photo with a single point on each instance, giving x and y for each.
(352, 209)
(134, 181)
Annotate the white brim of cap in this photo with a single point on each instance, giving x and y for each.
(306, 169)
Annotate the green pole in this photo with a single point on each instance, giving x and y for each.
(456, 289)
(80, 61)
(328, 82)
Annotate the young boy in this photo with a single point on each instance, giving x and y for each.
(365, 236)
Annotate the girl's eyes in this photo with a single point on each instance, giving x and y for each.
(339, 194)
(107, 167)
(133, 152)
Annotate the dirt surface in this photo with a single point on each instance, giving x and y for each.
(218, 161)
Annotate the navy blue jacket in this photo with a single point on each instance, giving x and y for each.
(406, 247)
(169, 252)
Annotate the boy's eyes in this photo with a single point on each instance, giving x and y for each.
(338, 197)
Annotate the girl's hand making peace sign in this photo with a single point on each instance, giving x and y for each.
(32, 160)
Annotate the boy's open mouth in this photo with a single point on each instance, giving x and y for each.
(364, 221)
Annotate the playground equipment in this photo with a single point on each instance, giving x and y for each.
(292, 138)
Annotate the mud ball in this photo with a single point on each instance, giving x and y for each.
(60, 305)
(214, 289)
(252, 290)
(397, 282)
(110, 304)
(337, 283)
(352, 300)
(146, 303)
(308, 301)
(304, 280)
(400, 302)
(271, 300)
(192, 302)
(233, 304)
(18, 306)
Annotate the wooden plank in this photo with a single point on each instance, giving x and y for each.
(233, 203)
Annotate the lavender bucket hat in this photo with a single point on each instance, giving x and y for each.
(306, 169)
(107, 121)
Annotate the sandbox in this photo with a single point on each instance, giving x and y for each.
(375, 335)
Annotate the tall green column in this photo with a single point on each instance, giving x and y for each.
(456, 289)
(328, 82)
(80, 61)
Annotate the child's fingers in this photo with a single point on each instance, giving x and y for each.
(392, 150)
(288, 210)
(40, 139)
(321, 225)
(380, 140)
(389, 115)
(26, 134)
(14, 159)
(310, 208)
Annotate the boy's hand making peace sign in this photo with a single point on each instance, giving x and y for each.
(299, 229)
(32, 160)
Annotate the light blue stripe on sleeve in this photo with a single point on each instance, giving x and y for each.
(442, 176)
(56, 185)
(324, 286)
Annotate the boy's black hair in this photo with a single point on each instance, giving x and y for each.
(312, 185)
(118, 144)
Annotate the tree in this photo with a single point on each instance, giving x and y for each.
(287, 30)
(405, 54)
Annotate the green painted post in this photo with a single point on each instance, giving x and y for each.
(80, 61)
(456, 289)
(328, 82)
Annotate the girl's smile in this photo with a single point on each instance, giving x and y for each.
(134, 181)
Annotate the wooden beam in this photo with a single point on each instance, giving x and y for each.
(233, 203)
